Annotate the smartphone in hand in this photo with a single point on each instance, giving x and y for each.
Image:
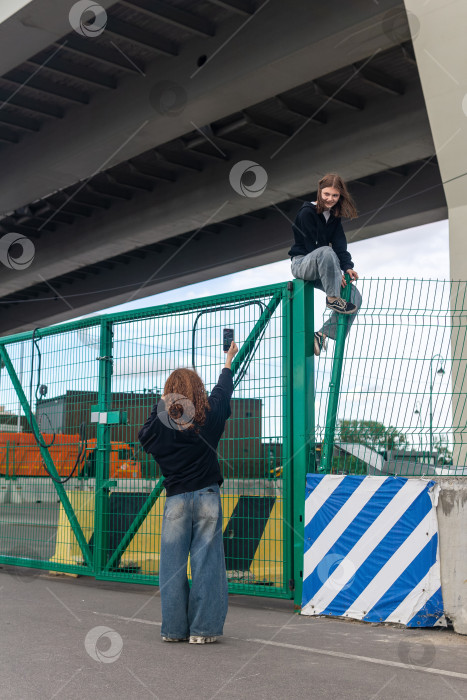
(228, 336)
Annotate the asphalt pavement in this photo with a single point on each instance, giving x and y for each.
(70, 639)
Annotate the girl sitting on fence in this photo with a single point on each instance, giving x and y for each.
(317, 227)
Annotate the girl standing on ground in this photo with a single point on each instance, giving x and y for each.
(182, 433)
(317, 227)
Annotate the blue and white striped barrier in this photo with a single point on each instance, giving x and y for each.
(371, 549)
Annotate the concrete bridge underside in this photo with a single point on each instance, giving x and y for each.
(125, 194)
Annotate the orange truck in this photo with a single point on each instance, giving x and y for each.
(21, 456)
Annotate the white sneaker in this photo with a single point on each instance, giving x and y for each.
(194, 639)
(171, 639)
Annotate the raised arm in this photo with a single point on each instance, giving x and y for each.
(231, 352)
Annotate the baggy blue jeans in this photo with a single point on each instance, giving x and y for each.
(192, 524)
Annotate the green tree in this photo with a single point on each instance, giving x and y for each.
(444, 454)
(348, 464)
(372, 434)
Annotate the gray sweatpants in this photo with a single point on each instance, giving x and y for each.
(322, 268)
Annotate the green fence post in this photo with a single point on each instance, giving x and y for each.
(303, 417)
(12, 460)
(287, 475)
(65, 501)
(101, 525)
(334, 386)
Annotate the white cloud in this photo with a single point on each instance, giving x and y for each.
(421, 252)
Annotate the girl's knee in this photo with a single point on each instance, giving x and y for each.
(328, 258)
(327, 251)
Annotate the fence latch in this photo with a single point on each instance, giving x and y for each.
(108, 417)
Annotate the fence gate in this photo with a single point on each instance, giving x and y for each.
(77, 493)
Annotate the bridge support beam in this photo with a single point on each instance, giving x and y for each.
(438, 29)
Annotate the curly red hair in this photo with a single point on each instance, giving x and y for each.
(186, 399)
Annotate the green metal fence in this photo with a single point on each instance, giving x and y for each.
(401, 404)
(74, 397)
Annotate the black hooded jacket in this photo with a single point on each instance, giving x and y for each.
(311, 232)
(188, 458)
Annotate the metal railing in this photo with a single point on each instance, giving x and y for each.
(401, 405)
(78, 495)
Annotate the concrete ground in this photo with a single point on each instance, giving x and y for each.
(80, 638)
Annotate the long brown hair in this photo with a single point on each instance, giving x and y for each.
(345, 205)
(186, 400)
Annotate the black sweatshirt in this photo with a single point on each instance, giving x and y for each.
(311, 231)
(187, 459)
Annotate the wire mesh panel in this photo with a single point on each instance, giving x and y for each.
(402, 406)
(147, 347)
(77, 492)
(44, 414)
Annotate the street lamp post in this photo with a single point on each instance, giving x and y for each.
(417, 411)
(440, 370)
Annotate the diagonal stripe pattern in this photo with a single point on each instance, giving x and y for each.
(371, 549)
